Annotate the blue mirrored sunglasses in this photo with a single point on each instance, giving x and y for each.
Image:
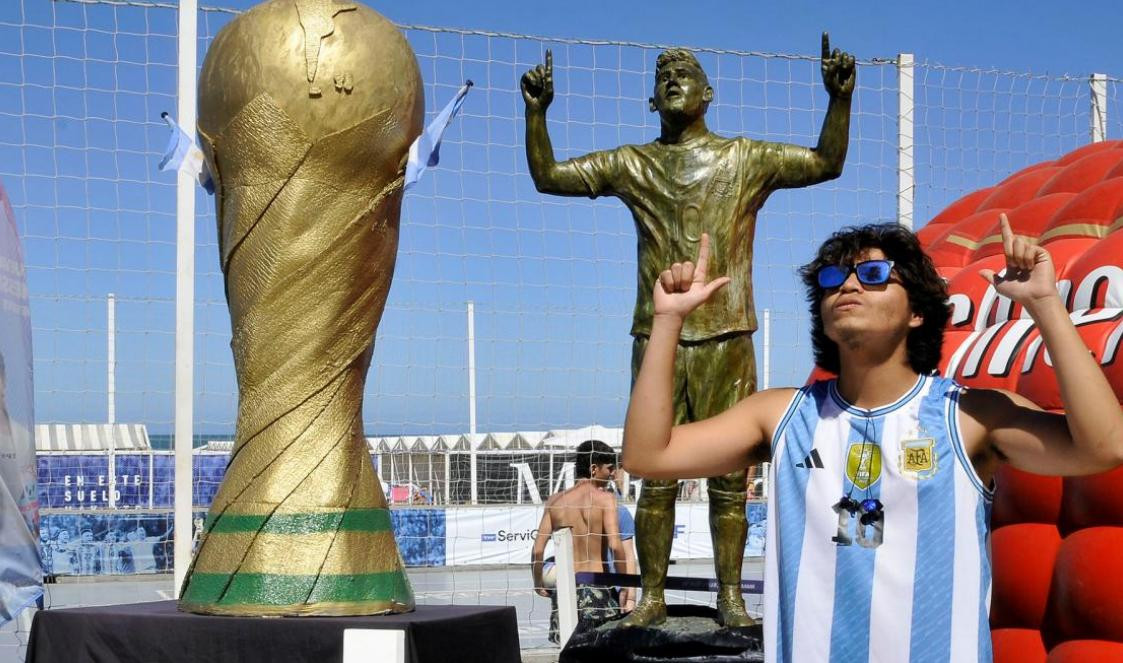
(870, 272)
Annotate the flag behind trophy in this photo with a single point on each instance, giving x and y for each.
(21, 569)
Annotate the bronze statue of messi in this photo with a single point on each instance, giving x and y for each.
(687, 182)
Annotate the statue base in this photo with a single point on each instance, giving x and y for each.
(144, 632)
(691, 633)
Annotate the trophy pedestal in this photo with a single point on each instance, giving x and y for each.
(143, 632)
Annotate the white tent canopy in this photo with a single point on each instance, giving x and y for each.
(134, 437)
(91, 437)
(557, 440)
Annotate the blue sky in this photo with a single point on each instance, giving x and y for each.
(81, 89)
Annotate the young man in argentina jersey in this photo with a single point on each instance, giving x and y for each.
(881, 480)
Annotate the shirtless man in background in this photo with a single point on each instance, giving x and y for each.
(590, 511)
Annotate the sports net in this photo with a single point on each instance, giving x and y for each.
(551, 280)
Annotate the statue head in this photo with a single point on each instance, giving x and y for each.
(682, 90)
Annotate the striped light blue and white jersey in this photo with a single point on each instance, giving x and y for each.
(914, 587)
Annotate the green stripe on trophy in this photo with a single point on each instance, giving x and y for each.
(283, 590)
(351, 520)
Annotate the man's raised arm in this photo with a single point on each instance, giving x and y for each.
(549, 175)
(1088, 438)
(801, 166)
(653, 448)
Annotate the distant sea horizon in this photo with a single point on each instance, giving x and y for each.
(166, 441)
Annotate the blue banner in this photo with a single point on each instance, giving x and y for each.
(207, 471)
(421, 535)
(132, 480)
(163, 481)
(74, 482)
(21, 572)
(78, 544)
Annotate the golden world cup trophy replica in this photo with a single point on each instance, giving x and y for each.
(307, 109)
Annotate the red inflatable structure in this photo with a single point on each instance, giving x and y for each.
(1057, 545)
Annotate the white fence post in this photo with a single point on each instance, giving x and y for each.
(185, 299)
(906, 175)
(766, 351)
(566, 585)
(111, 357)
(1099, 107)
(472, 444)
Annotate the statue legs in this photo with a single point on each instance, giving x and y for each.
(728, 530)
(710, 377)
(655, 530)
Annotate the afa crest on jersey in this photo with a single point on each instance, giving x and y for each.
(918, 458)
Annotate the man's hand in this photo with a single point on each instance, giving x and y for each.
(538, 85)
(542, 591)
(838, 70)
(1029, 276)
(683, 288)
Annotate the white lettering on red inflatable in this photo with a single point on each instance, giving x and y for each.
(1107, 279)
(1002, 361)
(975, 359)
(1111, 346)
(961, 308)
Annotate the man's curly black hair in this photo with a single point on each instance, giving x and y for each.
(926, 290)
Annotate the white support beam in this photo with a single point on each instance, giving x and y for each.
(766, 350)
(185, 298)
(1099, 108)
(473, 442)
(566, 585)
(906, 174)
(111, 358)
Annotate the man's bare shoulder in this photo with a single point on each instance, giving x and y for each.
(991, 408)
(769, 403)
(604, 498)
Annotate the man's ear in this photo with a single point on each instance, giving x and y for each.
(651, 104)
(708, 94)
(916, 320)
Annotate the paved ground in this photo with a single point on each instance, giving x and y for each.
(444, 585)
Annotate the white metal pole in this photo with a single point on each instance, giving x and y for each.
(184, 299)
(472, 401)
(766, 351)
(906, 180)
(566, 584)
(112, 469)
(111, 357)
(448, 477)
(110, 389)
(151, 478)
(1099, 107)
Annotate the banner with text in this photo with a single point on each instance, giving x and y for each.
(21, 572)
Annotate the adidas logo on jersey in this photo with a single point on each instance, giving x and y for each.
(812, 461)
